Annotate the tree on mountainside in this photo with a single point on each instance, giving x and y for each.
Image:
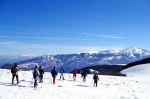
(9, 66)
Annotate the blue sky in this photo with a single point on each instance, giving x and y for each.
(71, 26)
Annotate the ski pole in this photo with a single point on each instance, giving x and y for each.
(50, 78)
(44, 77)
(23, 75)
(32, 81)
(92, 81)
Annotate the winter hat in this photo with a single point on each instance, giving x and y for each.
(35, 67)
(15, 64)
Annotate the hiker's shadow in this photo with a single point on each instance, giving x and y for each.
(71, 80)
(83, 86)
(8, 84)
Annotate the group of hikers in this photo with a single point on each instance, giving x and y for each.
(38, 75)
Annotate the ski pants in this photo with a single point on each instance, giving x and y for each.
(95, 82)
(84, 78)
(16, 78)
(54, 79)
(62, 75)
(35, 83)
(41, 77)
(74, 77)
(15, 75)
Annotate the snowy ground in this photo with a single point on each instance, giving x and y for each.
(135, 86)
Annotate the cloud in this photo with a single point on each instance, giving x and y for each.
(8, 43)
(23, 33)
(76, 48)
(108, 36)
(52, 38)
(94, 48)
(17, 43)
(6, 36)
(30, 44)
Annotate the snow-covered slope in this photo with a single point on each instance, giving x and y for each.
(81, 60)
(109, 87)
(139, 71)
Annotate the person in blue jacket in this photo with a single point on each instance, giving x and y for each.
(54, 74)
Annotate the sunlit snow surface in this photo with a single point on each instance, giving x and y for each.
(135, 86)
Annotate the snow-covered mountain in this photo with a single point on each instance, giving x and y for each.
(14, 58)
(80, 60)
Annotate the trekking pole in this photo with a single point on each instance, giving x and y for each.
(23, 75)
(50, 78)
(32, 81)
(44, 77)
(64, 76)
(92, 81)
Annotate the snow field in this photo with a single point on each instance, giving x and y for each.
(109, 87)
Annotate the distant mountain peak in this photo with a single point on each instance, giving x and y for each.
(131, 51)
(91, 52)
(81, 60)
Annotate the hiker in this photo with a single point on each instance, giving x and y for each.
(95, 78)
(84, 74)
(35, 76)
(74, 74)
(81, 73)
(54, 74)
(41, 71)
(14, 72)
(62, 71)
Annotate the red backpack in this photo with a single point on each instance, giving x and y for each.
(13, 70)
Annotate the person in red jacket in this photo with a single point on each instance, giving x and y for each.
(95, 78)
(74, 74)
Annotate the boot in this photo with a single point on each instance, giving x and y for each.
(18, 80)
(12, 80)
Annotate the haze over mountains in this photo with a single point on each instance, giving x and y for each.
(14, 58)
(81, 60)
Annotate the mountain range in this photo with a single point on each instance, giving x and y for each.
(81, 60)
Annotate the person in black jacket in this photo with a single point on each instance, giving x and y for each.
(14, 72)
(84, 74)
(35, 76)
(62, 71)
(41, 71)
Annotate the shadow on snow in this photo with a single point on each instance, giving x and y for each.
(83, 86)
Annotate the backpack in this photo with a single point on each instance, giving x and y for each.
(95, 77)
(13, 70)
(34, 74)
